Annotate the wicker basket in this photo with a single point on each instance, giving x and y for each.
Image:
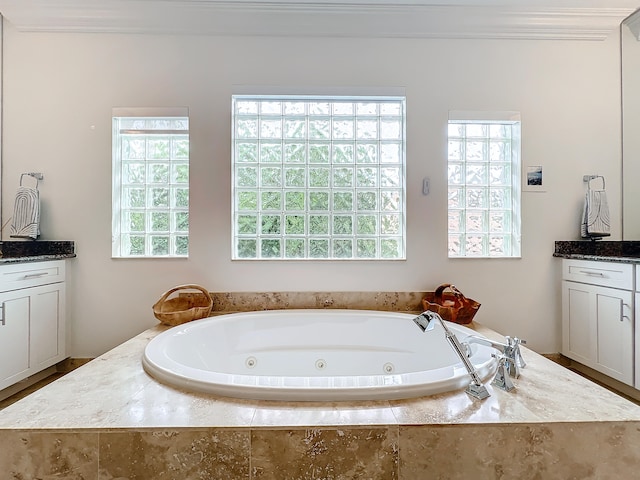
(452, 306)
(183, 308)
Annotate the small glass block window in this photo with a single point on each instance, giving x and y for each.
(484, 186)
(151, 184)
(318, 178)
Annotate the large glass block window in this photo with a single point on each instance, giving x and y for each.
(150, 183)
(318, 178)
(484, 186)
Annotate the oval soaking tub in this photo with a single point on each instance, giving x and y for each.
(327, 355)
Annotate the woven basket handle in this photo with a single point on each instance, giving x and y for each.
(437, 296)
(184, 287)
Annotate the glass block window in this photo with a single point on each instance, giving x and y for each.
(484, 187)
(150, 184)
(318, 178)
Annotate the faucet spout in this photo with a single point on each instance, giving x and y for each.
(501, 347)
(426, 323)
(510, 350)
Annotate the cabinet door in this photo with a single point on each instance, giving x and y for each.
(14, 337)
(597, 328)
(47, 339)
(614, 352)
(578, 322)
(637, 331)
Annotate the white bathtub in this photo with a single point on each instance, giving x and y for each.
(327, 355)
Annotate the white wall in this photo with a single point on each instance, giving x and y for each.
(60, 88)
(631, 124)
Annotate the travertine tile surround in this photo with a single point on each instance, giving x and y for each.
(225, 302)
(108, 420)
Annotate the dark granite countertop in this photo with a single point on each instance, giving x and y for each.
(19, 251)
(35, 258)
(600, 250)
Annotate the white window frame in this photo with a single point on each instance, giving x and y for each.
(383, 189)
(122, 210)
(459, 209)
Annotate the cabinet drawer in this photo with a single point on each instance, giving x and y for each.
(606, 274)
(22, 275)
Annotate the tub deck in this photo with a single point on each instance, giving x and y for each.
(109, 419)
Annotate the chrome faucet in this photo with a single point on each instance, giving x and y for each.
(501, 379)
(475, 388)
(510, 351)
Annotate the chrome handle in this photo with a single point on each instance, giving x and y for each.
(622, 315)
(593, 274)
(35, 275)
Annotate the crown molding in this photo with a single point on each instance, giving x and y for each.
(329, 18)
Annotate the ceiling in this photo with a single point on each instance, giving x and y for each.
(523, 19)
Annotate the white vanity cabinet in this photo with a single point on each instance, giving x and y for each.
(597, 316)
(32, 318)
(637, 330)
